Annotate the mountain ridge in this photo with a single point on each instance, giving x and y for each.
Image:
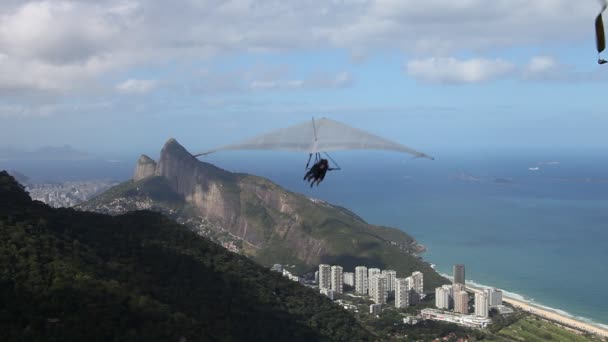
(69, 275)
(266, 222)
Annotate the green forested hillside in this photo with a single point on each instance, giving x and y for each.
(67, 275)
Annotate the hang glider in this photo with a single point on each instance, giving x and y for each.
(600, 35)
(318, 136)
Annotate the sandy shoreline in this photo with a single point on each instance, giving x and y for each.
(551, 315)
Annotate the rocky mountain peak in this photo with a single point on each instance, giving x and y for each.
(174, 148)
(184, 172)
(145, 168)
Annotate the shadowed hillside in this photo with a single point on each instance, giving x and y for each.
(76, 276)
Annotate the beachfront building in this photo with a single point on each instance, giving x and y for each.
(378, 288)
(461, 302)
(361, 280)
(337, 280)
(349, 278)
(418, 282)
(390, 276)
(494, 296)
(324, 277)
(459, 274)
(443, 297)
(482, 304)
(465, 320)
(450, 290)
(401, 293)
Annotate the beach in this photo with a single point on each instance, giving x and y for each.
(550, 315)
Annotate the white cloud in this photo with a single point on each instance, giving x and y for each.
(65, 47)
(541, 64)
(59, 45)
(452, 71)
(546, 68)
(133, 86)
(319, 81)
(550, 69)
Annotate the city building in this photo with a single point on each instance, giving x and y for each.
(375, 309)
(277, 268)
(401, 293)
(329, 293)
(465, 320)
(410, 283)
(337, 279)
(371, 272)
(450, 290)
(442, 298)
(288, 274)
(482, 304)
(494, 296)
(316, 277)
(461, 302)
(413, 297)
(349, 278)
(361, 280)
(324, 276)
(418, 282)
(379, 292)
(390, 276)
(459, 274)
(411, 320)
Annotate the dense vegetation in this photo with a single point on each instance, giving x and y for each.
(532, 329)
(74, 276)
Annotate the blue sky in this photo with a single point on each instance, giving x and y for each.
(122, 76)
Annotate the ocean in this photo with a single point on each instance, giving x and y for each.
(535, 225)
(540, 234)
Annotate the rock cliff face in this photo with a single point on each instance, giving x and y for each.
(249, 207)
(145, 168)
(268, 223)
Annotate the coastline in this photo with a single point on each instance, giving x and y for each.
(552, 314)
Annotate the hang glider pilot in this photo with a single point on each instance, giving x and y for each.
(317, 172)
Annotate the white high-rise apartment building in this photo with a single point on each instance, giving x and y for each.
(390, 276)
(371, 272)
(337, 280)
(379, 289)
(482, 305)
(401, 293)
(349, 278)
(418, 279)
(361, 280)
(442, 298)
(324, 277)
(450, 290)
(410, 283)
(494, 296)
(461, 302)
